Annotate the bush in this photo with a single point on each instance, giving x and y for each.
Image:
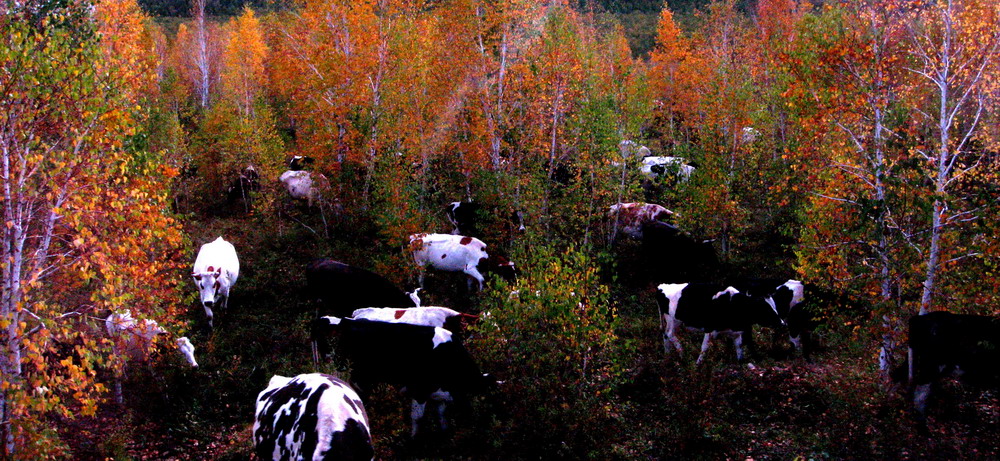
(553, 342)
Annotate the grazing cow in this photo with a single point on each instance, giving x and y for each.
(431, 316)
(215, 272)
(343, 288)
(713, 310)
(243, 186)
(425, 363)
(311, 416)
(631, 216)
(457, 253)
(657, 167)
(942, 343)
(134, 341)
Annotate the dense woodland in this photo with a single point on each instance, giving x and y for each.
(870, 172)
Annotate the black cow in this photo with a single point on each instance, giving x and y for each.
(942, 343)
(424, 362)
(789, 298)
(311, 416)
(343, 288)
(713, 310)
(673, 255)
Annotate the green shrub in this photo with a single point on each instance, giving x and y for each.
(553, 342)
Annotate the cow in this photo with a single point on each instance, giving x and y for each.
(425, 363)
(216, 270)
(241, 189)
(457, 253)
(672, 255)
(631, 216)
(342, 288)
(942, 344)
(714, 310)
(311, 416)
(788, 296)
(462, 216)
(308, 186)
(431, 316)
(654, 167)
(465, 218)
(133, 340)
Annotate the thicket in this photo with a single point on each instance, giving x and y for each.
(817, 156)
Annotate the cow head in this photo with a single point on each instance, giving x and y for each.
(299, 162)
(500, 266)
(209, 285)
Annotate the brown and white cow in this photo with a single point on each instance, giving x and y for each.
(134, 340)
(431, 316)
(457, 253)
(631, 216)
(311, 416)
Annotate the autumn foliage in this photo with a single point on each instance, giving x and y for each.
(851, 145)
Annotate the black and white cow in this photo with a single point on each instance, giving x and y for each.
(425, 363)
(942, 343)
(713, 310)
(342, 288)
(311, 416)
(789, 297)
(466, 217)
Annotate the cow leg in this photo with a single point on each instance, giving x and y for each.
(471, 270)
(208, 312)
(670, 336)
(920, 395)
(416, 413)
(704, 347)
(738, 342)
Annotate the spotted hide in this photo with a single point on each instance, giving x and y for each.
(311, 417)
(713, 310)
(425, 363)
(451, 253)
(631, 216)
(789, 297)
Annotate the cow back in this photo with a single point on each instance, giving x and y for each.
(311, 416)
(344, 288)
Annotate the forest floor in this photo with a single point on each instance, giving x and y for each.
(782, 407)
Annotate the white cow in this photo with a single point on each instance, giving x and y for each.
(430, 316)
(215, 272)
(452, 253)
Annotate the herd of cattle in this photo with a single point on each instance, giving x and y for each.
(389, 338)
